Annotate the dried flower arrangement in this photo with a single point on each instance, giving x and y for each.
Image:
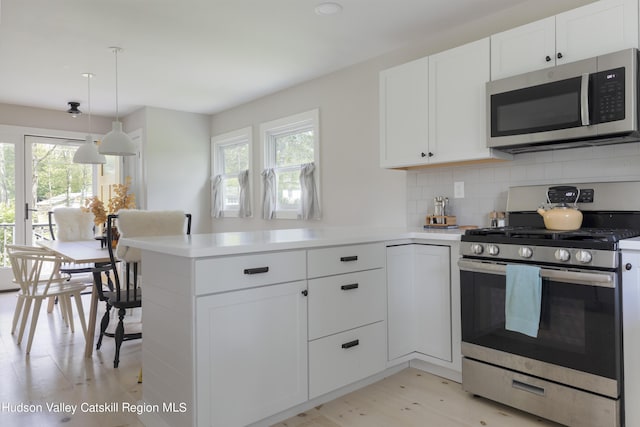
(122, 199)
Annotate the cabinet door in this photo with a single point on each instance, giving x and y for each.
(631, 336)
(457, 102)
(600, 27)
(419, 301)
(523, 49)
(400, 301)
(433, 301)
(404, 129)
(251, 354)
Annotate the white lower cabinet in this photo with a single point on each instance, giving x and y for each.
(419, 301)
(347, 312)
(251, 354)
(631, 335)
(341, 359)
(255, 336)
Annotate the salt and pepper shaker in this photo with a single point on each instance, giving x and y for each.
(497, 219)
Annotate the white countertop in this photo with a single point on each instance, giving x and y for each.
(630, 244)
(231, 243)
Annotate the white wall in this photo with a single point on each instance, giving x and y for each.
(354, 189)
(176, 161)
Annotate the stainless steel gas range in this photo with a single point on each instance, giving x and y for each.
(566, 365)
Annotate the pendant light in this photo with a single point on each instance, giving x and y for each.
(116, 142)
(73, 109)
(87, 153)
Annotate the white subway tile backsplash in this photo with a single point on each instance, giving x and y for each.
(501, 173)
(486, 175)
(412, 179)
(486, 185)
(412, 207)
(423, 207)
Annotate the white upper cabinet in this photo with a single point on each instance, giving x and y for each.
(522, 49)
(432, 110)
(601, 27)
(404, 104)
(457, 104)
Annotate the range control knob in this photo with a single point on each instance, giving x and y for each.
(525, 252)
(477, 248)
(584, 257)
(493, 250)
(562, 255)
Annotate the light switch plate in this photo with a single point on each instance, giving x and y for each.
(458, 190)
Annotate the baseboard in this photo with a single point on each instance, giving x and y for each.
(440, 371)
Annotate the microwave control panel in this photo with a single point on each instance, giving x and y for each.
(608, 95)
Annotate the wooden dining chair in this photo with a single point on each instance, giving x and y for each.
(37, 271)
(73, 224)
(127, 292)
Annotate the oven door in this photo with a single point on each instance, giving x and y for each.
(579, 339)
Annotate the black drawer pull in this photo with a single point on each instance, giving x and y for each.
(351, 344)
(348, 287)
(257, 270)
(349, 258)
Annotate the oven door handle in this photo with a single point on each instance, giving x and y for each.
(605, 280)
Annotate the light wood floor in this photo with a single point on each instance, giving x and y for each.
(57, 372)
(413, 398)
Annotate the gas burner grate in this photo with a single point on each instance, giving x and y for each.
(584, 237)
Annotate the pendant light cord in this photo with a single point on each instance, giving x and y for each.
(89, 75)
(115, 51)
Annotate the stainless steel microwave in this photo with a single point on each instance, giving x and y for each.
(588, 102)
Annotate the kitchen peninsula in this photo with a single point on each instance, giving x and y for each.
(253, 327)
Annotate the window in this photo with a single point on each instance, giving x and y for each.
(231, 162)
(288, 144)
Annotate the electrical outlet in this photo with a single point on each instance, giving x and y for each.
(458, 190)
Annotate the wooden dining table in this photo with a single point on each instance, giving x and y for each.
(83, 252)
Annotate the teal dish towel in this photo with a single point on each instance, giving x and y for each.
(523, 299)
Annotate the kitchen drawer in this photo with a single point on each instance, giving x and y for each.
(346, 301)
(341, 359)
(246, 271)
(563, 404)
(345, 259)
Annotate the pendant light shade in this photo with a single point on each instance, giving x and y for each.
(116, 142)
(87, 153)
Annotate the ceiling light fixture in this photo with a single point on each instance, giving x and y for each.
(87, 153)
(73, 109)
(116, 142)
(327, 8)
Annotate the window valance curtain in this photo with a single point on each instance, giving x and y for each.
(268, 194)
(244, 209)
(216, 196)
(309, 204)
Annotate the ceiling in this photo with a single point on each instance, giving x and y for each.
(200, 56)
